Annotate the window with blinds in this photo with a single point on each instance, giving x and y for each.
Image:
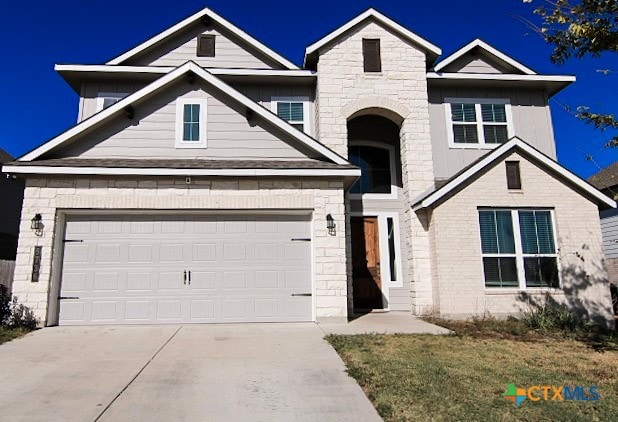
(292, 112)
(477, 122)
(518, 248)
(191, 122)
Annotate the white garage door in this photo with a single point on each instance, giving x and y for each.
(151, 269)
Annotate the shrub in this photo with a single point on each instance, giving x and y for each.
(21, 316)
(13, 314)
(550, 316)
(5, 305)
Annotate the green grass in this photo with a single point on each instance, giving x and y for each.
(7, 334)
(462, 377)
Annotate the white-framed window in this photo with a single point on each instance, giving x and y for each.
(294, 110)
(191, 122)
(519, 248)
(106, 99)
(378, 174)
(478, 122)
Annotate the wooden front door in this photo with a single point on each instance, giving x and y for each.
(366, 263)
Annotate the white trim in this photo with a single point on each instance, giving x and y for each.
(203, 123)
(393, 171)
(117, 171)
(206, 12)
(57, 259)
(158, 70)
(519, 254)
(164, 81)
(102, 96)
(380, 18)
(489, 49)
(295, 99)
(501, 77)
(515, 142)
(510, 130)
(385, 271)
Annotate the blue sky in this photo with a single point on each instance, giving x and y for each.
(35, 35)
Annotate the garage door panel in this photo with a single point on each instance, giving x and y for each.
(130, 269)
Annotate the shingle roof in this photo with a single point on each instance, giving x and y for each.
(5, 157)
(606, 178)
(183, 164)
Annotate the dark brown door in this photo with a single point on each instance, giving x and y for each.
(366, 263)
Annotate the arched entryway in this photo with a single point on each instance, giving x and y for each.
(375, 201)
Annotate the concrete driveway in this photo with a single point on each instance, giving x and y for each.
(250, 372)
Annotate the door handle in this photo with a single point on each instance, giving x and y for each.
(189, 277)
(185, 277)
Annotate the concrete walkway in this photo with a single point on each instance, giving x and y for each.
(384, 323)
(256, 372)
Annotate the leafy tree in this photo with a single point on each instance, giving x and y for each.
(577, 29)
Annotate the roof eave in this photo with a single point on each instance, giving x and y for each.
(436, 197)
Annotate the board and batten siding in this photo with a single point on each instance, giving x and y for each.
(151, 133)
(531, 122)
(263, 94)
(229, 53)
(609, 228)
(476, 64)
(91, 90)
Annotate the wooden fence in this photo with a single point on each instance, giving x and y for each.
(6, 273)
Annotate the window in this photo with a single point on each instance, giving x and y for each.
(206, 46)
(294, 110)
(377, 171)
(513, 175)
(371, 55)
(191, 123)
(106, 99)
(518, 249)
(478, 122)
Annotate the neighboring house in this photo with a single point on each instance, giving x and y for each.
(11, 195)
(606, 181)
(212, 180)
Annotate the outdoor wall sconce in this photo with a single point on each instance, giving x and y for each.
(36, 224)
(330, 224)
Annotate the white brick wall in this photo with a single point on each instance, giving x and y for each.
(322, 197)
(399, 92)
(457, 248)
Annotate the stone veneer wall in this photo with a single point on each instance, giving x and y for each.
(398, 92)
(47, 196)
(457, 247)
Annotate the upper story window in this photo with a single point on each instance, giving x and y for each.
(294, 110)
(106, 99)
(519, 248)
(372, 61)
(475, 122)
(206, 46)
(376, 162)
(191, 123)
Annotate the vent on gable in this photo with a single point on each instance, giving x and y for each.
(371, 55)
(513, 175)
(206, 46)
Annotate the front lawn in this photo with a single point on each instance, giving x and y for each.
(8, 334)
(463, 377)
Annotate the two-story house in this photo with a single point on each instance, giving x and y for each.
(209, 179)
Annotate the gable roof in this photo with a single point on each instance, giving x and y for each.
(372, 14)
(459, 180)
(111, 112)
(5, 157)
(605, 178)
(488, 50)
(205, 13)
